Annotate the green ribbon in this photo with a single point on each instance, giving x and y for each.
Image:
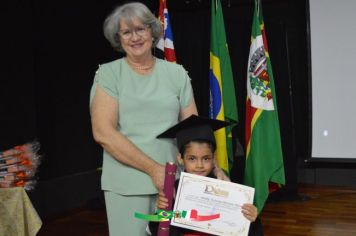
(156, 218)
(161, 215)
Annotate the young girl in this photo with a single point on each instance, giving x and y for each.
(196, 143)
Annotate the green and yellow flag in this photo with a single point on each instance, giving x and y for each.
(222, 89)
(264, 160)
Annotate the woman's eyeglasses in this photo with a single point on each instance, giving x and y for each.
(139, 31)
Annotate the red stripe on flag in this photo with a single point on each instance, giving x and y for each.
(265, 45)
(162, 5)
(250, 112)
(169, 54)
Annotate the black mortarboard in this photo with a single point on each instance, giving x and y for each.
(194, 128)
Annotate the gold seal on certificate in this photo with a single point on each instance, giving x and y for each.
(212, 206)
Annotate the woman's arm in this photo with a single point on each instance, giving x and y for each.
(188, 110)
(104, 116)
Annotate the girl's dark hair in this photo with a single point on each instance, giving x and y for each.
(211, 145)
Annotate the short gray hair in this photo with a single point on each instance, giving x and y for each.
(127, 12)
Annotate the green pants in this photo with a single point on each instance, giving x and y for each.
(120, 212)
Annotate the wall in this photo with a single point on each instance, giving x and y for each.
(52, 50)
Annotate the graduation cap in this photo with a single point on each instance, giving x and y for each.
(194, 128)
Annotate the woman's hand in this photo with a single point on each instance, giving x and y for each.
(220, 174)
(157, 173)
(249, 211)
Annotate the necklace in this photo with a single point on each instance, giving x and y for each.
(146, 67)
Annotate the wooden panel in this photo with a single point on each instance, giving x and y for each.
(330, 211)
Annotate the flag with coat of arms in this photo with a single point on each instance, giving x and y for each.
(264, 159)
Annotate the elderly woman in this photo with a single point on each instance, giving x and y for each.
(133, 99)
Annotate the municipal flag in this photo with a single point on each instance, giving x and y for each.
(264, 160)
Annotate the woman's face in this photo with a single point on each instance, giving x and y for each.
(136, 39)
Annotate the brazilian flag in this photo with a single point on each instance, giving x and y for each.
(222, 89)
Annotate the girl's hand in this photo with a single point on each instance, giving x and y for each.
(162, 201)
(249, 211)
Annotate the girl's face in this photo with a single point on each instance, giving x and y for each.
(136, 38)
(198, 159)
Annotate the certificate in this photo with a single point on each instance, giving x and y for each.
(212, 206)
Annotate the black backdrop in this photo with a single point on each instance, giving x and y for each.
(51, 50)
